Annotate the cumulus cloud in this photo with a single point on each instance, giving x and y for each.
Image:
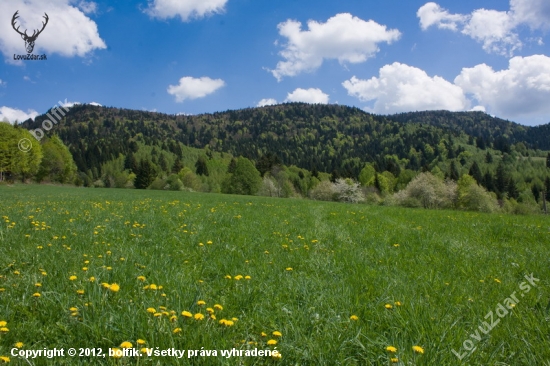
(11, 115)
(343, 37)
(185, 9)
(496, 30)
(69, 31)
(193, 88)
(266, 101)
(521, 90)
(88, 7)
(311, 95)
(403, 88)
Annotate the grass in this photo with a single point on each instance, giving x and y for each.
(312, 266)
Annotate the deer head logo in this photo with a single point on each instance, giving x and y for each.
(29, 40)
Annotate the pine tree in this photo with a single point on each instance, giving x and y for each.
(488, 158)
(488, 181)
(475, 172)
(145, 175)
(453, 173)
(201, 167)
(232, 166)
(548, 161)
(177, 166)
(512, 189)
(501, 180)
(547, 188)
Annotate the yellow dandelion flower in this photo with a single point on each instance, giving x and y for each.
(263, 334)
(238, 277)
(153, 286)
(186, 314)
(143, 350)
(36, 294)
(84, 269)
(271, 342)
(276, 355)
(73, 309)
(199, 316)
(151, 310)
(116, 352)
(141, 278)
(354, 317)
(72, 278)
(114, 287)
(497, 280)
(4, 330)
(212, 316)
(157, 315)
(80, 292)
(210, 310)
(391, 349)
(126, 345)
(397, 303)
(388, 306)
(176, 330)
(218, 307)
(3, 323)
(4, 359)
(247, 277)
(105, 285)
(289, 268)
(18, 345)
(38, 284)
(418, 349)
(277, 334)
(201, 302)
(394, 360)
(228, 277)
(141, 342)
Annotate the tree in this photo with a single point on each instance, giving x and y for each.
(201, 167)
(145, 174)
(348, 190)
(177, 166)
(488, 158)
(367, 175)
(475, 172)
(548, 161)
(245, 179)
(512, 189)
(480, 143)
(501, 180)
(453, 172)
(547, 188)
(267, 162)
(130, 163)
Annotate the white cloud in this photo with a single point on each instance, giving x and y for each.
(266, 101)
(343, 37)
(69, 31)
(12, 115)
(521, 90)
(193, 88)
(95, 104)
(403, 88)
(3, 83)
(88, 7)
(67, 104)
(496, 30)
(185, 9)
(432, 14)
(311, 95)
(534, 13)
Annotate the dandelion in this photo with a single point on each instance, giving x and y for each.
(210, 310)
(263, 334)
(176, 330)
(36, 294)
(228, 277)
(116, 352)
(140, 342)
(276, 355)
(218, 307)
(141, 278)
(80, 292)
(397, 303)
(394, 360)
(38, 284)
(391, 349)
(173, 318)
(199, 316)
(497, 280)
(84, 269)
(73, 309)
(114, 287)
(271, 342)
(151, 310)
(247, 277)
(388, 306)
(289, 268)
(18, 345)
(92, 279)
(418, 349)
(186, 314)
(3, 323)
(4, 359)
(153, 286)
(277, 334)
(354, 317)
(201, 302)
(126, 345)
(4, 330)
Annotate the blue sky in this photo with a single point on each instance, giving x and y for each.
(197, 56)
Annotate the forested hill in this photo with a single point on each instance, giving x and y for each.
(315, 137)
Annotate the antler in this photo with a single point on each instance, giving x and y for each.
(13, 19)
(43, 25)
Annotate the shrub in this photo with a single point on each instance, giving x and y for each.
(347, 190)
(324, 191)
(428, 191)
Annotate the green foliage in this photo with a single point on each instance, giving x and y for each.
(145, 174)
(244, 180)
(367, 175)
(20, 153)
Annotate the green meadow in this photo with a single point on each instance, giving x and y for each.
(321, 283)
